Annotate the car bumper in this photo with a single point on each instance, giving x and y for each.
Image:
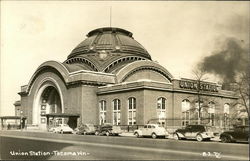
(69, 132)
(207, 135)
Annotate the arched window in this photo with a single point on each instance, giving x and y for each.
(161, 110)
(185, 108)
(211, 112)
(226, 114)
(102, 112)
(131, 111)
(116, 112)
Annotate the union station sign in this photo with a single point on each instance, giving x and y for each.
(194, 86)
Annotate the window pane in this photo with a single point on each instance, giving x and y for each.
(134, 114)
(119, 115)
(226, 108)
(115, 105)
(130, 114)
(159, 103)
(119, 104)
(134, 103)
(105, 108)
(163, 103)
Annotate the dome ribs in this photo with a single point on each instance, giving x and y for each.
(107, 48)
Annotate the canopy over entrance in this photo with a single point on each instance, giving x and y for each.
(62, 115)
(72, 118)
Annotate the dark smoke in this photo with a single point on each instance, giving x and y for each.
(229, 61)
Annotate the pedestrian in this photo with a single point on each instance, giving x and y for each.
(8, 126)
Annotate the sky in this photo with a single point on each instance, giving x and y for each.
(177, 34)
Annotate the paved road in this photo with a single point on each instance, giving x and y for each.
(37, 145)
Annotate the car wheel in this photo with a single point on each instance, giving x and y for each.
(224, 139)
(137, 135)
(154, 136)
(107, 133)
(96, 133)
(176, 137)
(84, 133)
(199, 138)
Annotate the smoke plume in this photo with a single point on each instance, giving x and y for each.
(231, 59)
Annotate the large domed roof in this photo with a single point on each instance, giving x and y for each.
(105, 46)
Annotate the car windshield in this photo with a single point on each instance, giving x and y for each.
(210, 128)
(242, 128)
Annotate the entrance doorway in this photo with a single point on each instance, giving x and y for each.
(47, 101)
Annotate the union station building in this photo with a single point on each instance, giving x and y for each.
(111, 78)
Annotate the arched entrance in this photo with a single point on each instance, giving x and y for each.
(47, 101)
(51, 100)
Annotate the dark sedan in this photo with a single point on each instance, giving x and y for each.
(198, 132)
(237, 134)
(108, 129)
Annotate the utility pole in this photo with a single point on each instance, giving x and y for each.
(110, 16)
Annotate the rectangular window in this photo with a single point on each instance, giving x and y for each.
(185, 118)
(116, 112)
(131, 111)
(102, 112)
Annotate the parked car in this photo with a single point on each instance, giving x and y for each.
(198, 132)
(153, 130)
(85, 129)
(52, 129)
(237, 134)
(108, 129)
(63, 128)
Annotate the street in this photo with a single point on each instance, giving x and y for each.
(43, 145)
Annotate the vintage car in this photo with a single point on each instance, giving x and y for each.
(153, 130)
(86, 129)
(198, 132)
(108, 129)
(52, 129)
(63, 128)
(237, 134)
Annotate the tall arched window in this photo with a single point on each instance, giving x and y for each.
(211, 112)
(161, 110)
(131, 111)
(102, 112)
(185, 108)
(226, 114)
(116, 112)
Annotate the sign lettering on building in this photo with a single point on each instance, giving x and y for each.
(194, 86)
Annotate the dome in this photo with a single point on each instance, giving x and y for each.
(105, 48)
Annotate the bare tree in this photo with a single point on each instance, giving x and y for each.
(199, 76)
(241, 89)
